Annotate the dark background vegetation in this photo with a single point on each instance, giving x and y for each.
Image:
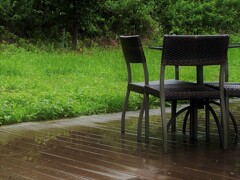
(76, 23)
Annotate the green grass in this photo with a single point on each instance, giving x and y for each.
(40, 85)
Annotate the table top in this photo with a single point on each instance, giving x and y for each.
(234, 45)
(237, 45)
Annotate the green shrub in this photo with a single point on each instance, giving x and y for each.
(199, 17)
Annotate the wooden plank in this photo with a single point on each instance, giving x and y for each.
(63, 155)
(84, 150)
(24, 172)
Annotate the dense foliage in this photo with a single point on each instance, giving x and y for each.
(66, 22)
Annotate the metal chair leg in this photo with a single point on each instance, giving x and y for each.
(164, 125)
(140, 118)
(146, 118)
(123, 119)
(225, 121)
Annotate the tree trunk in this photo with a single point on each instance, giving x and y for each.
(63, 38)
(74, 37)
(74, 25)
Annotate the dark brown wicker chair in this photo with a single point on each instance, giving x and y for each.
(232, 90)
(134, 54)
(190, 50)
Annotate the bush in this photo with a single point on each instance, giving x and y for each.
(129, 17)
(199, 17)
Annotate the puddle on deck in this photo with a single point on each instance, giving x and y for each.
(88, 148)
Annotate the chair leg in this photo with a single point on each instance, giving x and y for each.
(164, 125)
(140, 118)
(225, 119)
(124, 112)
(146, 118)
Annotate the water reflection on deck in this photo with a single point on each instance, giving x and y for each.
(93, 148)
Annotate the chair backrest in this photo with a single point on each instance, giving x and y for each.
(195, 50)
(133, 53)
(132, 49)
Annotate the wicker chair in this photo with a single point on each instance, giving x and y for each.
(232, 90)
(134, 54)
(190, 50)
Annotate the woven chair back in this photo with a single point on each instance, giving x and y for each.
(194, 50)
(132, 49)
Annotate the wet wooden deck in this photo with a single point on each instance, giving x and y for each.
(83, 148)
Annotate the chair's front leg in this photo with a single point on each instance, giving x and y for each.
(140, 118)
(123, 119)
(146, 118)
(164, 124)
(225, 120)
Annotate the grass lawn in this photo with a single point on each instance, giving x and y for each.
(36, 85)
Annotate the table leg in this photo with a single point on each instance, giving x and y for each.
(207, 123)
(174, 111)
(193, 120)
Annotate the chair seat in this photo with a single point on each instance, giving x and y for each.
(139, 86)
(184, 91)
(232, 88)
